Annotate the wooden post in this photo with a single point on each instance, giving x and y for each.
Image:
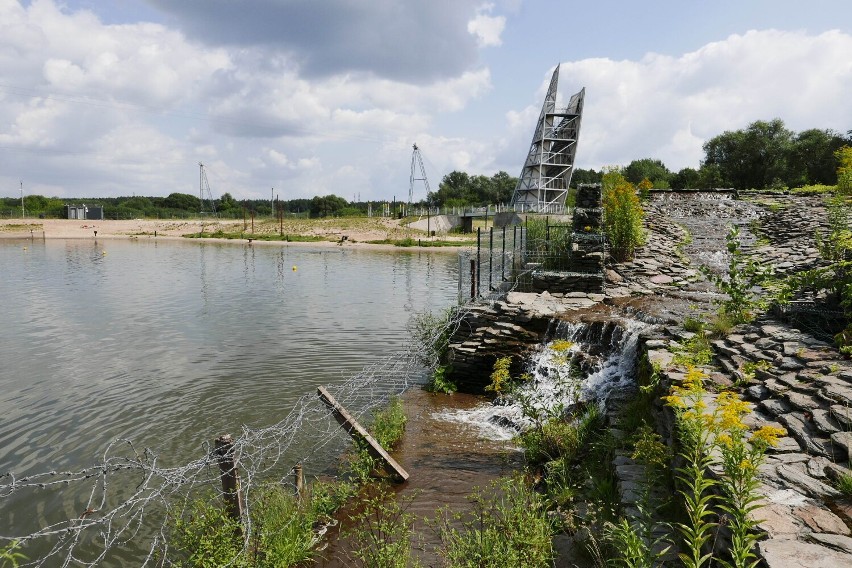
(224, 450)
(359, 433)
(298, 479)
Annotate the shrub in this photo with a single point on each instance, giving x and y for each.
(623, 216)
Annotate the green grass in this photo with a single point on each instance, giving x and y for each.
(507, 527)
(844, 484)
(258, 237)
(411, 242)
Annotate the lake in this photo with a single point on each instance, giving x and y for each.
(171, 343)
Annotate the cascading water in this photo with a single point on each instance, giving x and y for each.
(581, 362)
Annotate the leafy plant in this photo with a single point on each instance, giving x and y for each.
(508, 527)
(622, 216)
(382, 530)
(207, 538)
(9, 555)
(501, 379)
(389, 424)
(744, 276)
(439, 382)
(283, 528)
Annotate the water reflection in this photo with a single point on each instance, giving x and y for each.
(171, 343)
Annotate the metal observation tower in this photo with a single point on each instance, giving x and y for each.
(544, 181)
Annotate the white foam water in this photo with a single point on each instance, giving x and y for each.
(551, 386)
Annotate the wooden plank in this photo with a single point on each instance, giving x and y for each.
(359, 433)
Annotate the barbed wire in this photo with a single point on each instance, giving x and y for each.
(118, 511)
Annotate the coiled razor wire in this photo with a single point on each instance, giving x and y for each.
(125, 502)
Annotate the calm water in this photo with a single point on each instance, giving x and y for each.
(172, 343)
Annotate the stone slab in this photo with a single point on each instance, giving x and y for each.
(791, 553)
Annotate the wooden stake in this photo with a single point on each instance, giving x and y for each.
(224, 450)
(298, 479)
(359, 433)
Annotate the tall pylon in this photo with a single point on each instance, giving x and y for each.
(417, 161)
(208, 206)
(546, 175)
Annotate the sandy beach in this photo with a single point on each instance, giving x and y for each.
(333, 232)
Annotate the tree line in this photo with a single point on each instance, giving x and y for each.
(764, 155)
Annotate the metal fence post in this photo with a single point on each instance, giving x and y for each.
(490, 258)
(478, 257)
(503, 257)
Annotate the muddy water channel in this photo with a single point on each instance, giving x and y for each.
(446, 459)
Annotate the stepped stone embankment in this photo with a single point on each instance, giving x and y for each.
(804, 384)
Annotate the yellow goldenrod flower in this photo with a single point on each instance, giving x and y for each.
(768, 435)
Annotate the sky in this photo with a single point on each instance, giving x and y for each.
(296, 98)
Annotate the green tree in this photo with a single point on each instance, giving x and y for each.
(687, 178)
(647, 168)
(811, 157)
(327, 206)
(226, 203)
(585, 176)
(182, 201)
(752, 158)
(502, 187)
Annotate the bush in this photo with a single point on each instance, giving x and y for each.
(623, 216)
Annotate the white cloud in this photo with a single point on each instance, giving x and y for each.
(667, 107)
(486, 28)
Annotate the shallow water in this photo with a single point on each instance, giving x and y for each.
(172, 343)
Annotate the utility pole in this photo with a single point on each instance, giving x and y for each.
(272, 202)
(23, 214)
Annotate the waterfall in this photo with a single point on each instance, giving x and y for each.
(580, 362)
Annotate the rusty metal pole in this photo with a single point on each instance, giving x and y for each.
(224, 450)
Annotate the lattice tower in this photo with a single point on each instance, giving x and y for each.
(546, 175)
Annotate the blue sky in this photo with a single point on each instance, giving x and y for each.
(121, 97)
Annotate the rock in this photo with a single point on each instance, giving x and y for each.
(844, 440)
(776, 407)
(790, 553)
(822, 419)
(804, 434)
(813, 487)
(758, 392)
(661, 279)
(842, 414)
(816, 467)
(776, 521)
(835, 541)
(821, 520)
(613, 276)
(803, 401)
(837, 393)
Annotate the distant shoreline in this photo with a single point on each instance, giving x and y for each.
(177, 229)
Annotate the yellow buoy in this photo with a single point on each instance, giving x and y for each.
(294, 268)
(103, 252)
